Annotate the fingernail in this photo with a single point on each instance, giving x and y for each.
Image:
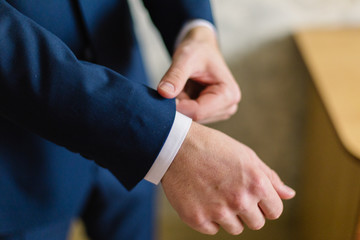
(167, 87)
(288, 190)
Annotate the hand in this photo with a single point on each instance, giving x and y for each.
(216, 181)
(205, 89)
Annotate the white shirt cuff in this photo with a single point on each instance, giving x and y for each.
(190, 25)
(181, 123)
(171, 146)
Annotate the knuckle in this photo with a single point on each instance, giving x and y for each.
(197, 221)
(238, 95)
(193, 219)
(259, 186)
(238, 201)
(233, 110)
(220, 215)
(229, 95)
(198, 116)
(232, 94)
(240, 204)
(230, 113)
(186, 50)
(201, 224)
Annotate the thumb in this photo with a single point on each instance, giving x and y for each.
(174, 80)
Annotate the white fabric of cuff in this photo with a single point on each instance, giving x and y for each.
(171, 147)
(192, 24)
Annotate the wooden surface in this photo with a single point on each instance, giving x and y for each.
(329, 199)
(358, 231)
(333, 59)
(329, 196)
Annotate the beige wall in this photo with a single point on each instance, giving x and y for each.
(243, 25)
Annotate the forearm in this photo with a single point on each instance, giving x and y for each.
(84, 107)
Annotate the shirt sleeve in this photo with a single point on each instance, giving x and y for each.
(190, 25)
(181, 123)
(172, 145)
(169, 16)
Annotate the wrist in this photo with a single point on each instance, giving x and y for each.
(201, 34)
(185, 149)
(194, 144)
(190, 25)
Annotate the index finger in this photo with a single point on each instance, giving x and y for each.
(212, 101)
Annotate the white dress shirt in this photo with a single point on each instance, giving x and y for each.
(181, 123)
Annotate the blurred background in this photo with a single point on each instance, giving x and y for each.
(256, 39)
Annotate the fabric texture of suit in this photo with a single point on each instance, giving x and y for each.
(73, 96)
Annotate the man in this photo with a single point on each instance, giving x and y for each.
(72, 79)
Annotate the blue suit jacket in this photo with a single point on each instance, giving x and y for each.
(72, 86)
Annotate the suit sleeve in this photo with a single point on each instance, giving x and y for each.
(84, 107)
(170, 16)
